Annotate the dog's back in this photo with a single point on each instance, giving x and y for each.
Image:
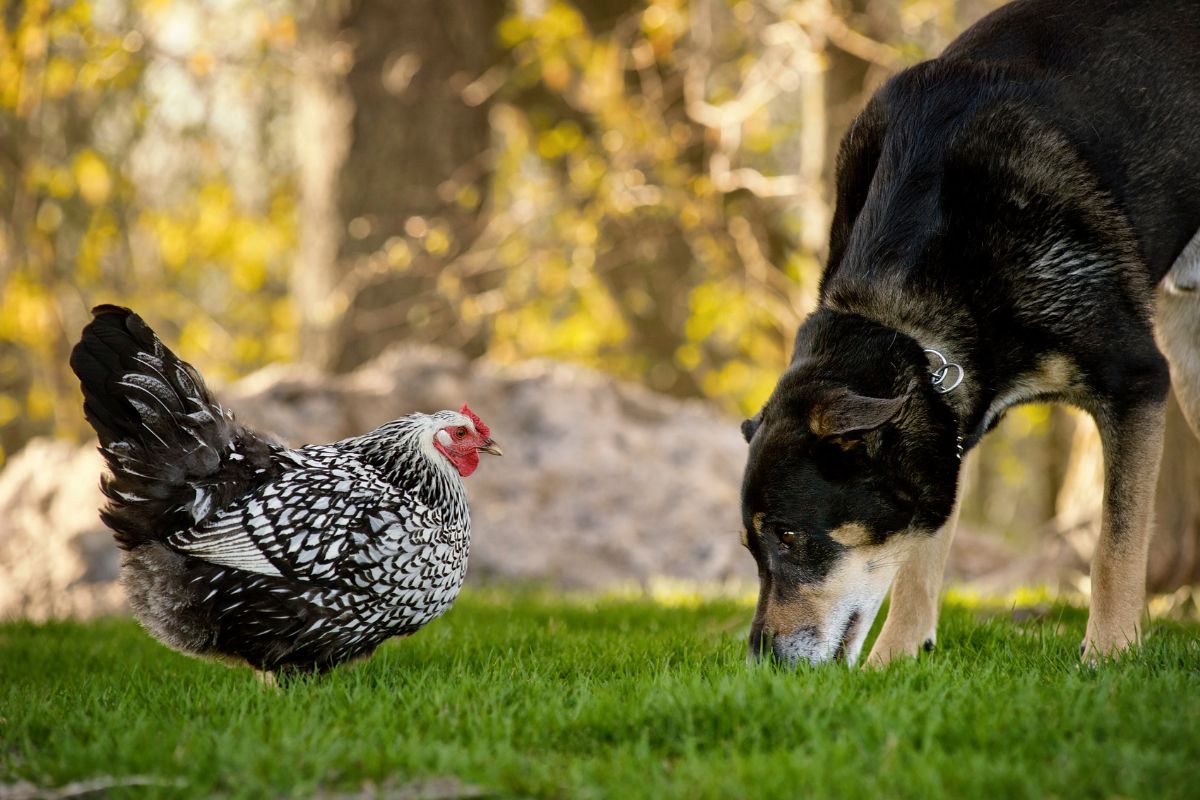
(1124, 80)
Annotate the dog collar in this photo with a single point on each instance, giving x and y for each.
(947, 376)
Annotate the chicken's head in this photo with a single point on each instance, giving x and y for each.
(464, 439)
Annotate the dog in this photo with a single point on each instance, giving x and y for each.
(1005, 215)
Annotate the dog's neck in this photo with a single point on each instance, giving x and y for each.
(970, 400)
(953, 380)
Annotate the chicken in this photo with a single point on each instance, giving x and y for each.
(237, 546)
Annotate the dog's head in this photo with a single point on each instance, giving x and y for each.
(838, 486)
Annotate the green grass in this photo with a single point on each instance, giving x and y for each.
(530, 694)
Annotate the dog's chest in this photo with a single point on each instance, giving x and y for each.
(1054, 377)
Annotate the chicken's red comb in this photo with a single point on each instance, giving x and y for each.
(480, 426)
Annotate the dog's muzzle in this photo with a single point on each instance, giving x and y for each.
(808, 643)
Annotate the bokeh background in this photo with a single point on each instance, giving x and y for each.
(641, 188)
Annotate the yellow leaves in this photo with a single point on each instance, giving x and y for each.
(172, 242)
(688, 356)
(468, 197)
(663, 23)
(247, 349)
(152, 8)
(560, 22)
(39, 402)
(56, 50)
(214, 205)
(201, 63)
(9, 408)
(10, 81)
(512, 251)
(44, 178)
(690, 216)
(196, 336)
(59, 79)
(627, 158)
(398, 253)
(32, 38)
(279, 34)
(92, 178)
(564, 312)
(556, 73)
(438, 240)
(26, 312)
(760, 136)
(602, 76)
(550, 47)
(724, 320)
(49, 217)
(96, 244)
(247, 254)
(560, 140)
(513, 30)
(78, 14)
(249, 274)
(197, 257)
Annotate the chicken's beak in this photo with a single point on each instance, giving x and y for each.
(491, 448)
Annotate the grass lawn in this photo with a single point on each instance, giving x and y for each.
(533, 695)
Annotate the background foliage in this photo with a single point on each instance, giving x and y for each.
(651, 189)
(137, 165)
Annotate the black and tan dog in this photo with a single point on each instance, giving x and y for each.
(1004, 215)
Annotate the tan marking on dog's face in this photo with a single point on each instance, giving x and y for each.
(851, 535)
(808, 621)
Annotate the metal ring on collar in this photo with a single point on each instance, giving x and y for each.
(940, 374)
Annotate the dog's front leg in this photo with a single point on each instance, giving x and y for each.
(1133, 443)
(912, 618)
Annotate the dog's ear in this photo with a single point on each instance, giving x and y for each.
(844, 412)
(749, 426)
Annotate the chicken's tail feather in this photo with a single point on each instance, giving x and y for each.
(160, 428)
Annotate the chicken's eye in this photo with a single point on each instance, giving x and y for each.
(461, 433)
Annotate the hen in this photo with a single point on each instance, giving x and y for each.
(237, 546)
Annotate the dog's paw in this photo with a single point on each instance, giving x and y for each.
(887, 650)
(1104, 642)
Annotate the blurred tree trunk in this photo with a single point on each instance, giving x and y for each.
(392, 139)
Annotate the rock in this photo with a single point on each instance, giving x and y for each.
(602, 483)
(56, 558)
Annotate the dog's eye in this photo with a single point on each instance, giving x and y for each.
(787, 539)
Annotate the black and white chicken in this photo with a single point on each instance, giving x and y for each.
(237, 546)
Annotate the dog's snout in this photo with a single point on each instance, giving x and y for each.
(760, 644)
(847, 636)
